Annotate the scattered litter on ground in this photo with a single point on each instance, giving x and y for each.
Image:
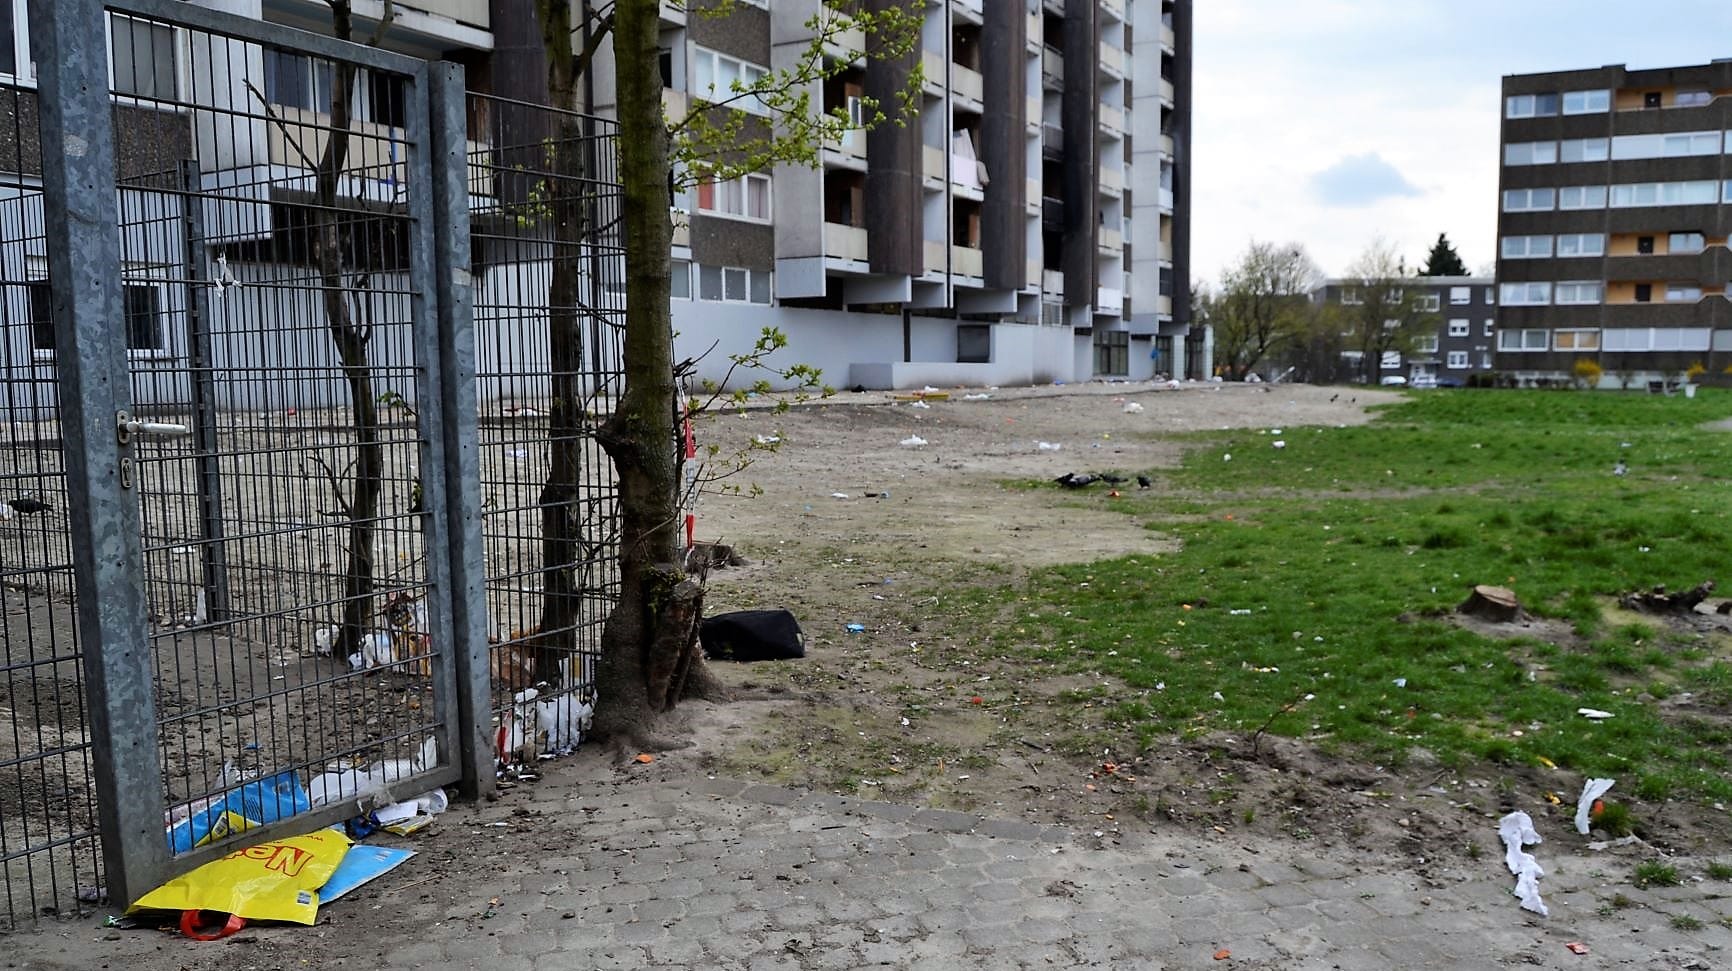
(1132, 408)
(1577, 947)
(275, 881)
(840, 495)
(1399, 682)
(1602, 845)
(1048, 446)
(1278, 443)
(644, 759)
(913, 441)
(766, 439)
(1592, 790)
(856, 628)
(1223, 954)
(1517, 830)
(1594, 714)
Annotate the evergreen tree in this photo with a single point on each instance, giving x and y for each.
(1444, 261)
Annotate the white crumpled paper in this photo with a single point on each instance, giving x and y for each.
(1593, 789)
(1517, 830)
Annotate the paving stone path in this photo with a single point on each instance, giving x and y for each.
(719, 874)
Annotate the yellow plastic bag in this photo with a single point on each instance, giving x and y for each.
(278, 881)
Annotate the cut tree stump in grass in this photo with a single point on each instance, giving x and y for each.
(1658, 601)
(1497, 604)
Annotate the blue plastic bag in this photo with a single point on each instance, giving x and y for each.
(255, 803)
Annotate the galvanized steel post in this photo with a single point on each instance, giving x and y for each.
(69, 41)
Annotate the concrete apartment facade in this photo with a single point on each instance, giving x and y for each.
(1029, 224)
(1615, 210)
(1462, 346)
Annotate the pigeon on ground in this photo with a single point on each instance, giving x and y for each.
(1621, 468)
(28, 506)
(1144, 482)
(1111, 478)
(1070, 480)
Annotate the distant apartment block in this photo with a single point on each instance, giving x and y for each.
(1029, 224)
(1616, 204)
(1461, 346)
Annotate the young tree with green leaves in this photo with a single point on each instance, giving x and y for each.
(650, 659)
(1387, 311)
(1263, 305)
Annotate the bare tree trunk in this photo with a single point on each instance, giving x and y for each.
(350, 335)
(649, 660)
(561, 523)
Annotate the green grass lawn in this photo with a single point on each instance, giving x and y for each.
(1318, 576)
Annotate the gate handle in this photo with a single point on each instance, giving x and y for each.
(127, 426)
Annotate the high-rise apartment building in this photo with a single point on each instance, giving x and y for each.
(1614, 216)
(1029, 223)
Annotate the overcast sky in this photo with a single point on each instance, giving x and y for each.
(1332, 122)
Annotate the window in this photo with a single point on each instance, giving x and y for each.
(1427, 303)
(1586, 102)
(294, 81)
(1528, 200)
(1350, 297)
(1644, 293)
(41, 311)
(1458, 327)
(1460, 295)
(1425, 345)
(1582, 197)
(1526, 294)
(142, 58)
(1644, 245)
(1686, 243)
(1530, 153)
(1457, 361)
(1636, 194)
(1691, 99)
(1530, 106)
(1577, 292)
(1676, 145)
(1657, 339)
(14, 40)
(1650, 99)
(681, 281)
(1393, 297)
(1523, 248)
(143, 318)
(715, 76)
(747, 197)
(1583, 150)
(1522, 340)
(1576, 340)
(1582, 244)
(386, 96)
(1491, 295)
(1490, 326)
(1683, 293)
(733, 284)
(974, 344)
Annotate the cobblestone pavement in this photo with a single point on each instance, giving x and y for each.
(710, 873)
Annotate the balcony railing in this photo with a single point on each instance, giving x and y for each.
(1112, 60)
(1052, 69)
(842, 242)
(967, 261)
(967, 84)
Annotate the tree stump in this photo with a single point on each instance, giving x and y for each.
(1497, 604)
(1658, 601)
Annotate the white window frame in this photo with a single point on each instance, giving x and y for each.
(1527, 105)
(177, 43)
(681, 270)
(1576, 340)
(1530, 153)
(1645, 339)
(1456, 361)
(1577, 240)
(1350, 297)
(748, 275)
(1425, 344)
(1490, 326)
(1458, 327)
(744, 185)
(1530, 294)
(1584, 150)
(1525, 248)
(25, 75)
(1460, 296)
(1638, 195)
(1519, 340)
(1576, 197)
(1427, 303)
(1575, 293)
(1698, 243)
(1683, 293)
(743, 70)
(1523, 200)
(1588, 102)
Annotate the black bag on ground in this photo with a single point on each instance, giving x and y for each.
(752, 635)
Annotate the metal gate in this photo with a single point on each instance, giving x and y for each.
(248, 507)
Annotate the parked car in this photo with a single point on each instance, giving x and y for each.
(1393, 381)
(1423, 381)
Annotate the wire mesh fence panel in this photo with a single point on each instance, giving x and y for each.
(549, 312)
(48, 830)
(269, 247)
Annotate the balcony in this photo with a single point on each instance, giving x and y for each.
(1112, 61)
(1112, 182)
(1112, 120)
(936, 77)
(935, 261)
(1052, 211)
(1168, 146)
(672, 15)
(1052, 281)
(1109, 301)
(1051, 142)
(1167, 92)
(1165, 197)
(1111, 240)
(1031, 277)
(1031, 195)
(1036, 107)
(972, 11)
(1116, 8)
(967, 85)
(1034, 33)
(1169, 39)
(1052, 69)
(848, 151)
(848, 46)
(682, 221)
(932, 164)
(844, 242)
(966, 261)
